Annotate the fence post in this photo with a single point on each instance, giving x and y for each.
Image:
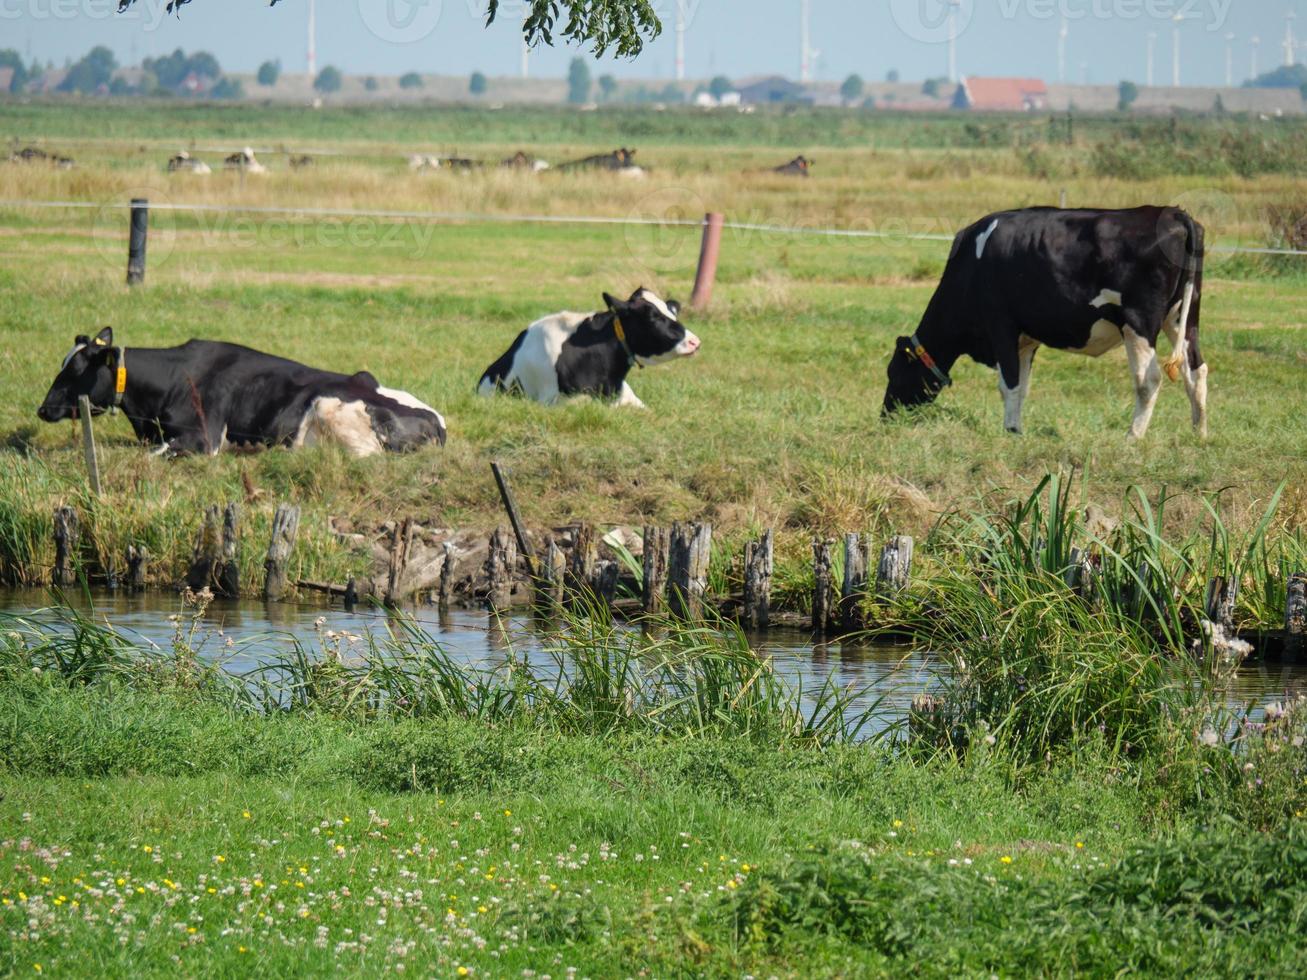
(88, 443)
(549, 583)
(67, 538)
(709, 249)
(207, 552)
(581, 566)
(447, 573)
(656, 544)
(687, 569)
(894, 570)
(821, 584)
(137, 557)
(501, 561)
(228, 573)
(140, 230)
(855, 582)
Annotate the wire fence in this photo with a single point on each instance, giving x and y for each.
(450, 217)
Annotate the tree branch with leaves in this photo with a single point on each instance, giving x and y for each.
(624, 26)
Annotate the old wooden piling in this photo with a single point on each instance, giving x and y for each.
(88, 444)
(687, 569)
(285, 525)
(228, 574)
(758, 563)
(1295, 617)
(206, 554)
(501, 563)
(138, 556)
(1219, 602)
(854, 585)
(448, 570)
(551, 576)
(657, 542)
(401, 541)
(821, 584)
(67, 541)
(606, 575)
(581, 564)
(894, 570)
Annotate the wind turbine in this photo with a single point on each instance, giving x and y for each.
(1177, 20)
(313, 41)
(680, 40)
(1152, 58)
(1290, 42)
(1061, 51)
(1229, 61)
(953, 6)
(526, 59)
(805, 40)
(1256, 43)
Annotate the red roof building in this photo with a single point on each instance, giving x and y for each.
(1002, 95)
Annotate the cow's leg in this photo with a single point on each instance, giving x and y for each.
(1147, 374)
(1013, 383)
(1187, 357)
(627, 397)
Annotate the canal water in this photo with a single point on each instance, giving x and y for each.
(242, 634)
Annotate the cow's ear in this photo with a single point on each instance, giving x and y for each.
(675, 307)
(612, 302)
(903, 343)
(81, 340)
(104, 338)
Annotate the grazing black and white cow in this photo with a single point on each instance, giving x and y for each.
(591, 353)
(1083, 281)
(205, 396)
(244, 161)
(183, 162)
(620, 161)
(798, 167)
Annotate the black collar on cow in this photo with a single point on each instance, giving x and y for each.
(920, 353)
(620, 331)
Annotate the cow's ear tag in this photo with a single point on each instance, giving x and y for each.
(99, 342)
(619, 329)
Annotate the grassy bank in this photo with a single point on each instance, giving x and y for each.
(774, 424)
(145, 833)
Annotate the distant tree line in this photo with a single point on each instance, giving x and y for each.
(97, 73)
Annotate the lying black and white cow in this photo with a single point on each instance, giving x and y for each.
(205, 396)
(1081, 281)
(591, 353)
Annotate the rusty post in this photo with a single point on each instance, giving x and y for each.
(708, 252)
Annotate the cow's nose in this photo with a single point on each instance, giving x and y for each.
(691, 344)
(43, 414)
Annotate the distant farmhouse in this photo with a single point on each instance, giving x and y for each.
(774, 90)
(1001, 95)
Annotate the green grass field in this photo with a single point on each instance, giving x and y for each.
(776, 423)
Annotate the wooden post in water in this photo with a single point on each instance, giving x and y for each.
(501, 561)
(285, 525)
(67, 539)
(1222, 593)
(894, 570)
(581, 566)
(88, 443)
(854, 586)
(228, 575)
(139, 232)
(758, 563)
(657, 542)
(549, 582)
(137, 558)
(821, 584)
(687, 569)
(207, 552)
(401, 541)
(447, 572)
(1295, 618)
(606, 575)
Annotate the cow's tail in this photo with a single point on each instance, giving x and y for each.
(1191, 281)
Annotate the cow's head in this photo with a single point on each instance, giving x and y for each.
(652, 328)
(88, 369)
(911, 381)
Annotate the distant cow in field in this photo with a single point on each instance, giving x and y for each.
(620, 161)
(301, 162)
(1082, 281)
(34, 154)
(183, 162)
(206, 396)
(798, 167)
(591, 353)
(245, 161)
(420, 163)
(521, 161)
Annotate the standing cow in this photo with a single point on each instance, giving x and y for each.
(1083, 281)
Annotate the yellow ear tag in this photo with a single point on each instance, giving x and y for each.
(618, 329)
(121, 384)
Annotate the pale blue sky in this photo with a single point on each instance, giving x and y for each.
(1107, 38)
